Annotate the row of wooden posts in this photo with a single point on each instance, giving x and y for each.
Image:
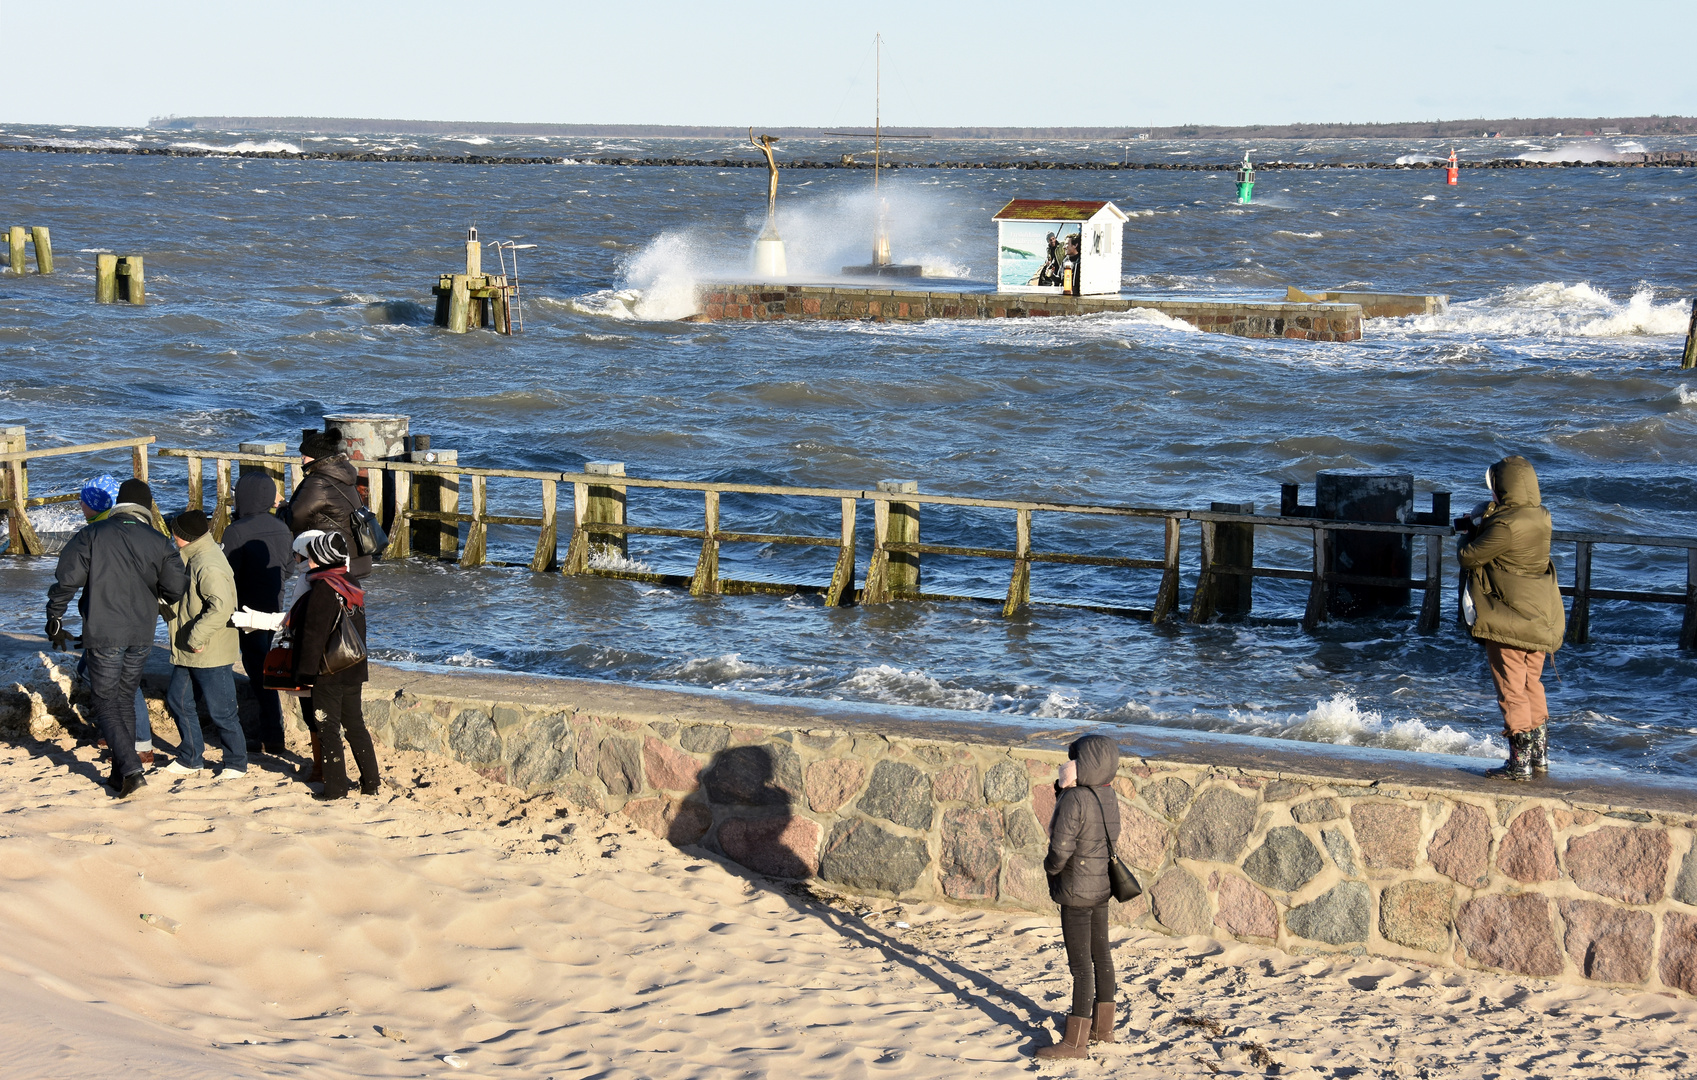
(17, 236)
(117, 278)
(420, 498)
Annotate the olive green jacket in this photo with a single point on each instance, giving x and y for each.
(1507, 566)
(201, 619)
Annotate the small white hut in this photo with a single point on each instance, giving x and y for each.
(1026, 262)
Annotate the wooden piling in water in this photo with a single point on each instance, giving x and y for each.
(477, 532)
(547, 555)
(15, 249)
(595, 504)
(841, 591)
(432, 496)
(1689, 360)
(1225, 544)
(892, 573)
(132, 279)
(1579, 615)
(43, 249)
(459, 305)
(705, 580)
(106, 279)
(223, 508)
(1166, 598)
(1019, 584)
(14, 487)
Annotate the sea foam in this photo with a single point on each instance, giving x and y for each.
(1558, 309)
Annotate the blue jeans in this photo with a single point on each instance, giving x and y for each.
(114, 675)
(218, 686)
(144, 730)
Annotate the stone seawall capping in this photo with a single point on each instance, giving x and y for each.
(771, 303)
(1372, 859)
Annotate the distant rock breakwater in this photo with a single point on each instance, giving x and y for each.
(1673, 158)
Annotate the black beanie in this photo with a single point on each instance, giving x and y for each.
(190, 524)
(320, 444)
(135, 491)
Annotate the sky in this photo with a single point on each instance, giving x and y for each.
(945, 64)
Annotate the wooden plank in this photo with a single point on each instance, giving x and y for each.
(82, 448)
(197, 495)
(1123, 562)
(1627, 539)
(547, 555)
(1579, 615)
(705, 581)
(841, 593)
(477, 535)
(1673, 599)
(1431, 604)
(1019, 584)
(1166, 598)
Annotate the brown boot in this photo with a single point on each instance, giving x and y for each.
(317, 774)
(1104, 1029)
(1074, 1044)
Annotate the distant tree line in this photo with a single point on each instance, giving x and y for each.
(1545, 127)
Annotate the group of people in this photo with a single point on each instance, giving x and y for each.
(223, 599)
(1511, 605)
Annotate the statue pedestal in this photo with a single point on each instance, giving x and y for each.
(769, 254)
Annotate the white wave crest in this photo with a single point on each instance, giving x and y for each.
(612, 560)
(1557, 309)
(716, 670)
(1588, 150)
(475, 140)
(1298, 235)
(270, 146)
(897, 687)
(1342, 722)
(660, 284)
(1684, 395)
(1417, 159)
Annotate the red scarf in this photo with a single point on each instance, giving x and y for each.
(337, 578)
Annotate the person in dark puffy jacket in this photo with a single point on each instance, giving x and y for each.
(1082, 832)
(314, 625)
(258, 546)
(126, 569)
(328, 494)
(1516, 608)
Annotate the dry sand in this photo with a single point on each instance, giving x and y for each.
(451, 927)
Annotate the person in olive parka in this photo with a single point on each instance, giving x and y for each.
(1082, 832)
(1513, 606)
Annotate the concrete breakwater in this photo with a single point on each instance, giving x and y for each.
(1312, 849)
(1671, 158)
(773, 302)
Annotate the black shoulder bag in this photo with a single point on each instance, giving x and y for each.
(1121, 882)
(369, 535)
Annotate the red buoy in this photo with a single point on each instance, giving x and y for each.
(1452, 169)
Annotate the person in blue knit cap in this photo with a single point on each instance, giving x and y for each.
(98, 497)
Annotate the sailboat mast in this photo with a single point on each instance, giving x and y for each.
(877, 106)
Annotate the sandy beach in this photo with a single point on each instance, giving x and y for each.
(453, 927)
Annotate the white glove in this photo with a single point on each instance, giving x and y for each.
(249, 619)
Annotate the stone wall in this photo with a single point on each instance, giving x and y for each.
(1515, 878)
(761, 303)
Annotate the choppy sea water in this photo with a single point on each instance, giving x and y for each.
(283, 290)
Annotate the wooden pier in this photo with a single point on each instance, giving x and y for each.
(1310, 320)
(426, 518)
(474, 300)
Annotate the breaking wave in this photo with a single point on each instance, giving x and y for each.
(1342, 722)
(1557, 309)
(270, 146)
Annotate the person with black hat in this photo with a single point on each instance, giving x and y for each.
(204, 649)
(258, 546)
(327, 647)
(328, 495)
(126, 570)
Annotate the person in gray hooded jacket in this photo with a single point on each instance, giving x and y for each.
(1082, 833)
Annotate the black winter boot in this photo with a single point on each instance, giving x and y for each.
(1519, 763)
(1541, 749)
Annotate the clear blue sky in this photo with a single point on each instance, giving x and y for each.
(991, 63)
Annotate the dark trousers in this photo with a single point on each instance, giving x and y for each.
(1085, 932)
(114, 676)
(217, 685)
(338, 706)
(255, 644)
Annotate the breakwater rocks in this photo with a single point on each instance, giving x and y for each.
(1660, 158)
(1311, 849)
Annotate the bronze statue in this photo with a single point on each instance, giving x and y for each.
(764, 145)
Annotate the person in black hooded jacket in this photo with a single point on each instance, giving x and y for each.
(328, 494)
(1082, 832)
(331, 597)
(258, 545)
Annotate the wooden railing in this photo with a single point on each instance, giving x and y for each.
(15, 500)
(421, 501)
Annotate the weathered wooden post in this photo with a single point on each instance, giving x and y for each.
(477, 532)
(705, 581)
(274, 469)
(1229, 544)
(1019, 585)
(841, 592)
(132, 279)
(1689, 360)
(14, 488)
(1688, 628)
(197, 498)
(597, 504)
(222, 509)
(1166, 597)
(892, 574)
(15, 246)
(1315, 613)
(436, 493)
(43, 249)
(547, 555)
(459, 305)
(1366, 495)
(106, 279)
(1579, 619)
